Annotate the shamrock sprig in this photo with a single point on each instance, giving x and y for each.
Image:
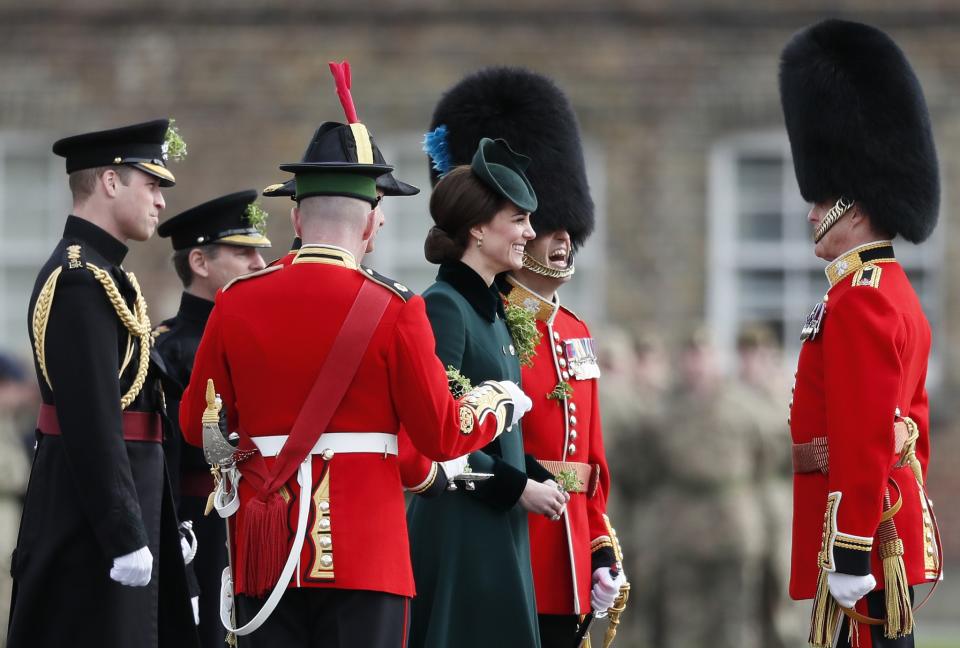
(174, 147)
(561, 391)
(523, 330)
(568, 480)
(458, 383)
(257, 217)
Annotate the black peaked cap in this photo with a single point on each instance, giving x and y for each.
(222, 220)
(139, 145)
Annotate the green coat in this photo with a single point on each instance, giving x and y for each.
(471, 551)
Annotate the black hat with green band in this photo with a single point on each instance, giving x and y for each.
(502, 169)
(387, 184)
(342, 164)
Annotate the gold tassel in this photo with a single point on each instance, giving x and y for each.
(231, 639)
(899, 620)
(826, 615)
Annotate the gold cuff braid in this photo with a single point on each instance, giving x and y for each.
(136, 322)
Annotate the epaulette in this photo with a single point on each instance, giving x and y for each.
(578, 318)
(73, 257)
(159, 330)
(394, 286)
(867, 275)
(258, 273)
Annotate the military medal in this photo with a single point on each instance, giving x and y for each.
(582, 358)
(811, 327)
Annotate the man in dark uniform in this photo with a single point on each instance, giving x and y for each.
(863, 150)
(98, 560)
(213, 243)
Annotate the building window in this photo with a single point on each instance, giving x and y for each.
(762, 269)
(399, 245)
(34, 200)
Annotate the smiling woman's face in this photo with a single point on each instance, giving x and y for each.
(504, 238)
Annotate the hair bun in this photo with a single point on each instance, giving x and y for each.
(439, 247)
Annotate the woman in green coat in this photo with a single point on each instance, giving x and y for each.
(470, 549)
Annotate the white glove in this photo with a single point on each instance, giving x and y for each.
(605, 588)
(847, 589)
(195, 602)
(454, 467)
(133, 569)
(187, 547)
(521, 402)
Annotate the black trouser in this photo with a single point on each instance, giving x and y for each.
(558, 630)
(208, 566)
(877, 608)
(328, 618)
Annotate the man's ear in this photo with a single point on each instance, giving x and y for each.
(370, 225)
(296, 221)
(110, 181)
(198, 263)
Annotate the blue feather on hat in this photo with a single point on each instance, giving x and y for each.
(435, 145)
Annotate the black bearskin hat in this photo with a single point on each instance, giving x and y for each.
(535, 117)
(859, 126)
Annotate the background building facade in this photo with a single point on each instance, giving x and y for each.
(699, 218)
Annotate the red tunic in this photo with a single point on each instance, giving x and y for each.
(262, 346)
(570, 430)
(862, 372)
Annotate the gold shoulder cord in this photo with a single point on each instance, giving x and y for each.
(136, 322)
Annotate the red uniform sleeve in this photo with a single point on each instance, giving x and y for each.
(863, 372)
(210, 362)
(438, 425)
(419, 475)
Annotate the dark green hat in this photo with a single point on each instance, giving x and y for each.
(502, 169)
(143, 146)
(233, 219)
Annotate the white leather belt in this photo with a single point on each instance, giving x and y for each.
(331, 443)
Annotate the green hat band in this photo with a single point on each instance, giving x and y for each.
(352, 185)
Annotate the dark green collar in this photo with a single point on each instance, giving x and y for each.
(464, 279)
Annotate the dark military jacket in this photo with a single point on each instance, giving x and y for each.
(471, 551)
(93, 496)
(176, 340)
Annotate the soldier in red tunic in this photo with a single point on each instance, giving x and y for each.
(863, 532)
(572, 553)
(333, 557)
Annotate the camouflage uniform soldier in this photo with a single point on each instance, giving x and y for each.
(709, 510)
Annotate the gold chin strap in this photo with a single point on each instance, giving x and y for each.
(544, 270)
(830, 219)
(136, 322)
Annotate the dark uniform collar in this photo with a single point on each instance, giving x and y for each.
(849, 262)
(194, 309)
(329, 254)
(541, 308)
(106, 245)
(484, 299)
